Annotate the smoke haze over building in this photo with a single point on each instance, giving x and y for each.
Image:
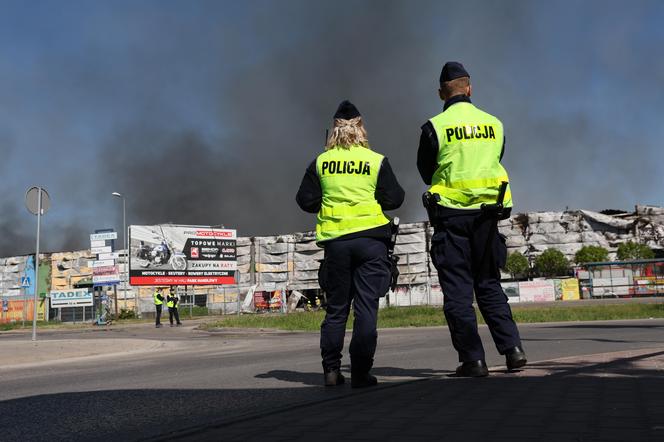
(209, 112)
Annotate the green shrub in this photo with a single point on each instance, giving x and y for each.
(632, 250)
(591, 254)
(127, 314)
(551, 263)
(517, 265)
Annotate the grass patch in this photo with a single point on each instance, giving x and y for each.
(307, 321)
(588, 312)
(425, 316)
(28, 325)
(184, 312)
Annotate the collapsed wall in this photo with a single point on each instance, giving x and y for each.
(291, 261)
(532, 233)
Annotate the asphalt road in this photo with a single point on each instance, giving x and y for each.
(147, 383)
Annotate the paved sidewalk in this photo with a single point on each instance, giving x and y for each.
(605, 397)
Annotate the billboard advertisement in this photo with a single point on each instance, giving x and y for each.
(182, 255)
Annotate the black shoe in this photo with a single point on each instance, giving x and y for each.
(171, 325)
(333, 378)
(473, 369)
(362, 380)
(158, 325)
(515, 358)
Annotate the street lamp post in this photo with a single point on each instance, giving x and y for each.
(124, 242)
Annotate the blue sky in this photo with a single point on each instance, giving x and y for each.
(208, 112)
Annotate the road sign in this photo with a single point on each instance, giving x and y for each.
(25, 281)
(103, 263)
(114, 255)
(98, 250)
(96, 279)
(103, 236)
(32, 200)
(98, 243)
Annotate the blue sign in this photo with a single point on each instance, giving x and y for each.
(28, 279)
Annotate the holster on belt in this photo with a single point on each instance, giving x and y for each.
(430, 203)
(394, 259)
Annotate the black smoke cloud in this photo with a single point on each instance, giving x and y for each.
(276, 111)
(384, 58)
(15, 238)
(215, 124)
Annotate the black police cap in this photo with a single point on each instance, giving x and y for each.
(453, 70)
(346, 111)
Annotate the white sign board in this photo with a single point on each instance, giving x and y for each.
(537, 291)
(511, 289)
(103, 236)
(98, 243)
(98, 250)
(103, 263)
(97, 279)
(71, 298)
(611, 286)
(105, 256)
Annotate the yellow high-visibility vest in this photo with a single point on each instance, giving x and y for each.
(156, 300)
(348, 180)
(469, 172)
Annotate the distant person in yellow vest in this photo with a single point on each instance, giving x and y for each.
(349, 186)
(158, 304)
(172, 304)
(459, 156)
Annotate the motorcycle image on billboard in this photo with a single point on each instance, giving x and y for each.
(182, 255)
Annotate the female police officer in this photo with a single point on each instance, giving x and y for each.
(349, 186)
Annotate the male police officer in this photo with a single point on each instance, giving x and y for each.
(349, 186)
(172, 304)
(459, 156)
(158, 304)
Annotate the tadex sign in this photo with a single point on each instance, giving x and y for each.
(71, 298)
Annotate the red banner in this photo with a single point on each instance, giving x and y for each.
(181, 280)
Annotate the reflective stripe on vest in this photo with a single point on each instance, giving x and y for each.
(170, 303)
(348, 180)
(157, 301)
(469, 172)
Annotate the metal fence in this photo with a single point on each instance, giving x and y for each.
(622, 279)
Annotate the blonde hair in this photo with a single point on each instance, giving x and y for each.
(347, 133)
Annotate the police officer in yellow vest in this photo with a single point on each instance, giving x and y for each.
(158, 303)
(172, 304)
(459, 156)
(349, 186)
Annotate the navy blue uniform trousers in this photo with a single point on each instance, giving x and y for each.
(465, 266)
(355, 270)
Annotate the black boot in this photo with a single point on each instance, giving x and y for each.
(361, 380)
(333, 377)
(515, 358)
(473, 369)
